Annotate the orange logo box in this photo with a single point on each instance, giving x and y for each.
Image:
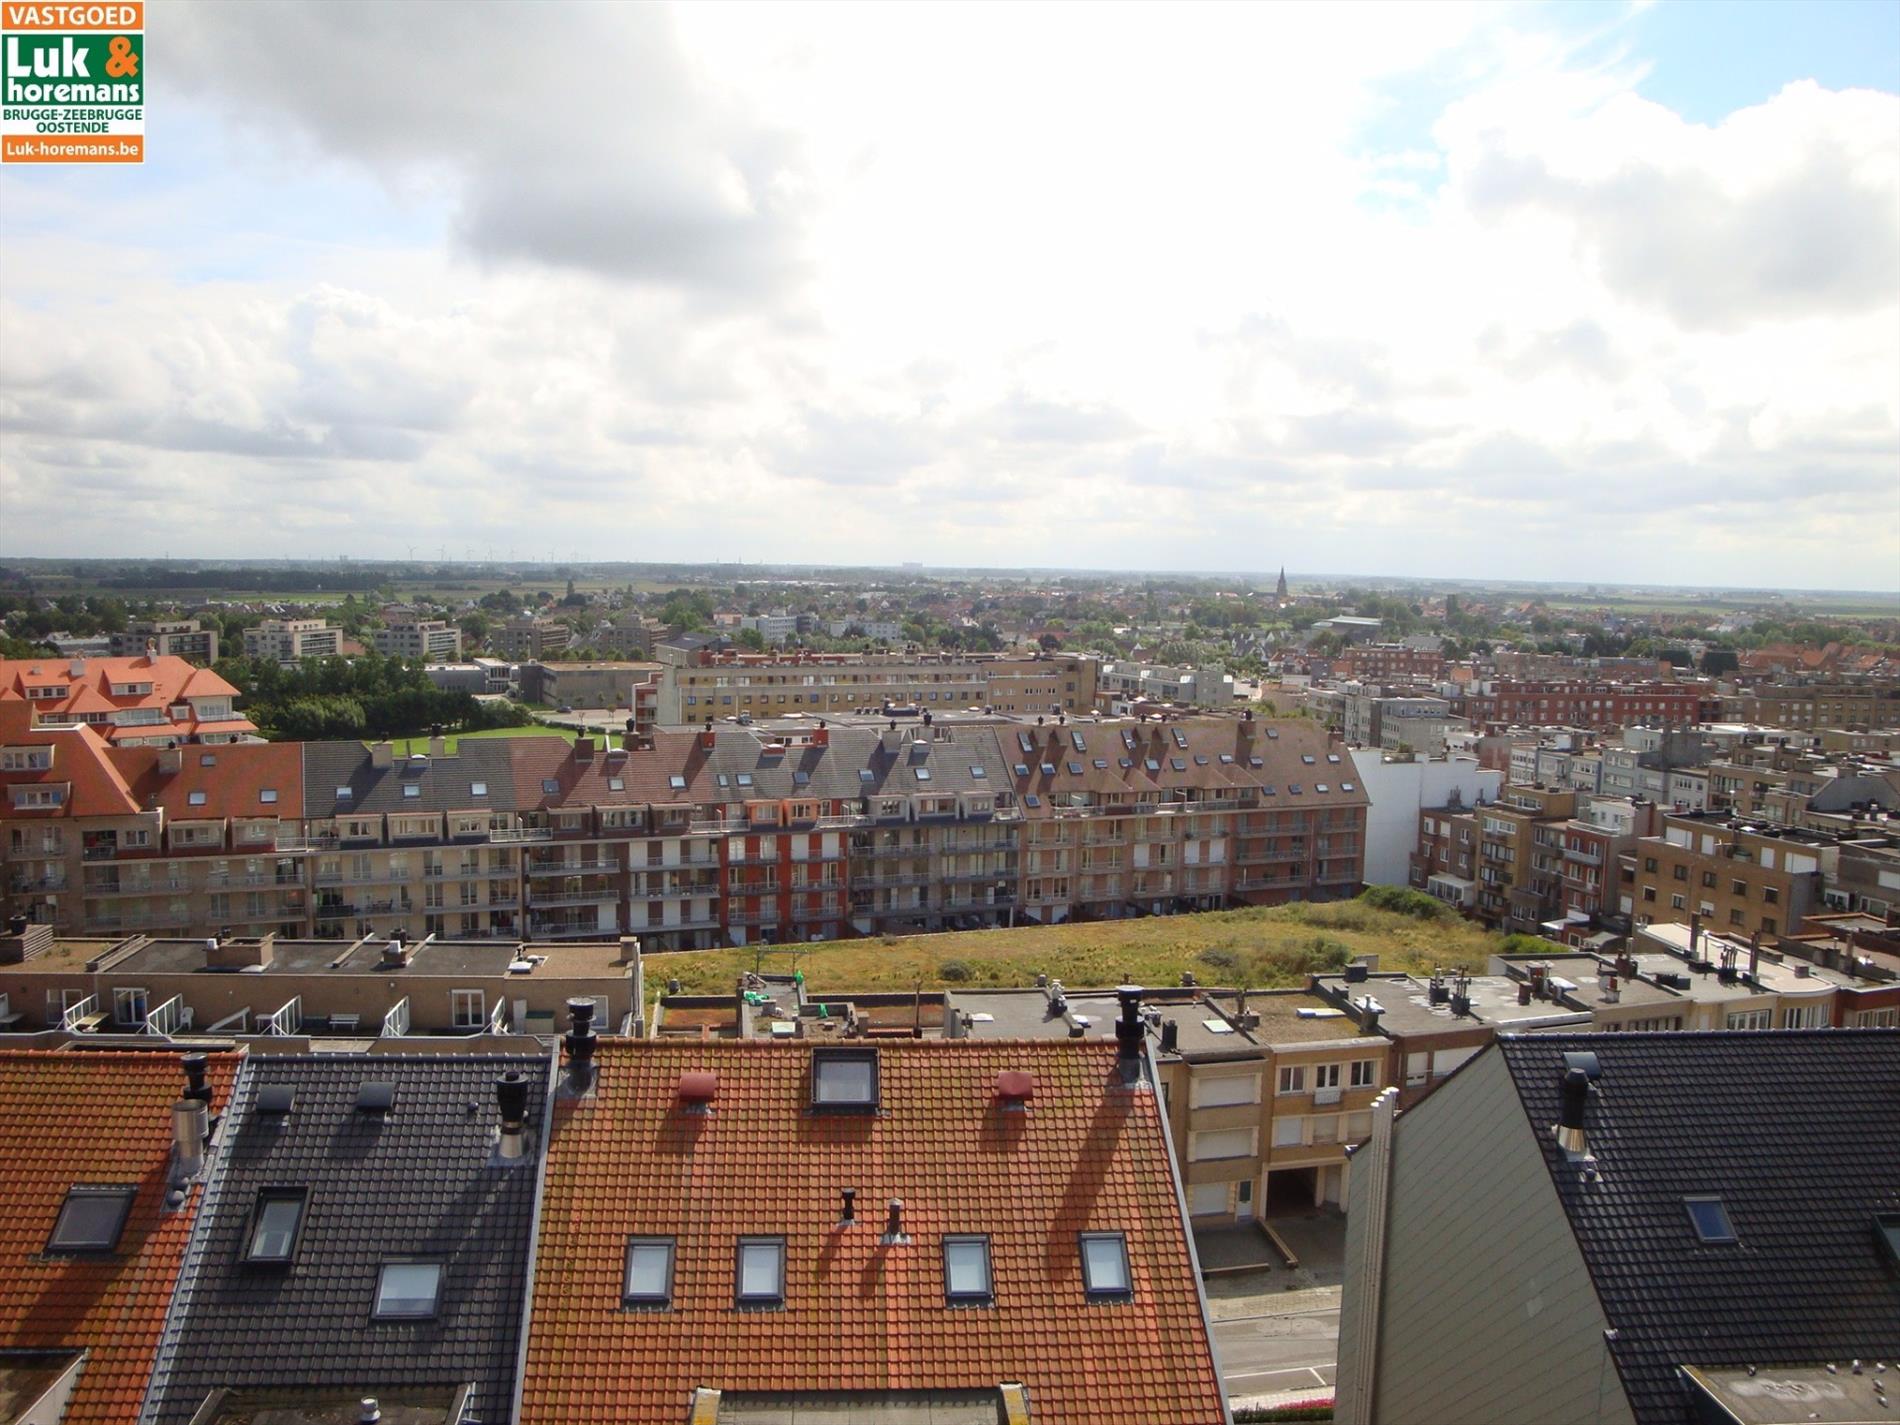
(72, 148)
(64, 15)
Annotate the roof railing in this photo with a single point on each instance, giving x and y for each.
(287, 1020)
(168, 1018)
(396, 1022)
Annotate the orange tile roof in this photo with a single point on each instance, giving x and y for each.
(233, 782)
(80, 760)
(90, 688)
(859, 1315)
(93, 1117)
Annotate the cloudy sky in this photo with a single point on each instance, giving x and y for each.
(1577, 292)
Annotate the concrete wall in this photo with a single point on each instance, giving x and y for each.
(1399, 790)
(1488, 1312)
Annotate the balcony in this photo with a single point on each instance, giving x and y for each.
(605, 893)
(520, 833)
(569, 868)
(135, 888)
(752, 917)
(26, 885)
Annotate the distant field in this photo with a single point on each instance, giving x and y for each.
(1264, 948)
(407, 745)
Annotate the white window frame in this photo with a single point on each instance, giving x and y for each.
(1292, 1079)
(458, 1001)
(1325, 1076)
(1365, 1073)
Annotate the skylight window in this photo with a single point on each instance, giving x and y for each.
(275, 1225)
(1048, 769)
(1178, 764)
(1274, 733)
(1151, 764)
(865, 775)
(1256, 762)
(1320, 787)
(267, 795)
(1022, 769)
(91, 1218)
(1075, 741)
(1180, 739)
(1308, 758)
(649, 1276)
(1293, 789)
(1227, 759)
(1333, 757)
(408, 1291)
(1075, 769)
(800, 777)
(1346, 787)
(1270, 790)
(549, 786)
(844, 1078)
(761, 1271)
(1026, 742)
(1200, 759)
(1101, 764)
(616, 784)
(1709, 1217)
(922, 773)
(1126, 762)
(1105, 1266)
(1128, 738)
(1030, 799)
(410, 789)
(207, 759)
(197, 799)
(343, 794)
(676, 782)
(745, 779)
(979, 772)
(478, 789)
(966, 1271)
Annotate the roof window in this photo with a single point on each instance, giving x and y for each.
(1026, 742)
(844, 1078)
(649, 1276)
(411, 789)
(1709, 1217)
(760, 1272)
(745, 779)
(1126, 762)
(1105, 1266)
(966, 1271)
(1075, 741)
(1347, 787)
(1256, 762)
(616, 784)
(376, 1096)
(408, 1291)
(1048, 769)
(676, 782)
(978, 771)
(1075, 769)
(276, 1223)
(922, 773)
(1178, 764)
(1320, 787)
(196, 799)
(549, 786)
(91, 1218)
(865, 775)
(1151, 764)
(1293, 789)
(1180, 739)
(275, 1098)
(1227, 759)
(1308, 758)
(207, 759)
(344, 794)
(1274, 733)
(1200, 759)
(1333, 757)
(267, 795)
(1030, 799)
(478, 789)
(1022, 769)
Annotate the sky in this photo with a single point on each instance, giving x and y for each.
(1597, 292)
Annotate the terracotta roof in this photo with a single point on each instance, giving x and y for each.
(232, 777)
(80, 761)
(85, 685)
(860, 1315)
(101, 1118)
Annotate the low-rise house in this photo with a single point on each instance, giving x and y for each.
(1631, 1228)
(103, 1176)
(365, 1236)
(902, 1232)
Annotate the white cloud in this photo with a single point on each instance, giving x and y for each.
(981, 285)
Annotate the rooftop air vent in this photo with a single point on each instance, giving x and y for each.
(697, 1090)
(1014, 1089)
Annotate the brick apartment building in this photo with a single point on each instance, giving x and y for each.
(1389, 663)
(730, 835)
(1592, 706)
(728, 684)
(1812, 706)
(520, 639)
(1735, 878)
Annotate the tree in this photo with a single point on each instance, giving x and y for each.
(1717, 661)
(751, 638)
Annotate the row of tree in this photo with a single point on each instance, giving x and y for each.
(367, 696)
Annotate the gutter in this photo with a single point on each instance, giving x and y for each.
(1187, 1232)
(534, 1225)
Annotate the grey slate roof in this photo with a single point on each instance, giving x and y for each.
(424, 1181)
(1797, 1131)
(442, 783)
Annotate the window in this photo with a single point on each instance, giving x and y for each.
(1709, 1217)
(411, 789)
(761, 1272)
(649, 1275)
(549, 786)
(128, 1006)
(407, 1291)
(1750, 1019)
(91, 1218)
(844, 1078)
(978, 771)
(1105, 1266)
(1293, 1079)
(1221, 1143)
(1226, 1091)
(922, 773)
(1365, 1073)
(470, 1010)
(267, 795)
(966, 1271)
(1288, 1132)
(275, 1224)
(478, 789)
(1326, 1076)
(196, 799)
(1208, 1200)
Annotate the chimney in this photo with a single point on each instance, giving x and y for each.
(1461, 996)
(1754, 954)
(580, 1044)
(395, 955)
(1438, 993)
(1170, 1036)
(1523, 991)
(191, 1126)
(1695, 934)
(382, 754)
(894, 1224)
(849, 1213)
(1128, 1033)
(1610, 993)
(1369, 1012)
(195, 1086)
(1802, 969)
(438, 747)
(230, 953)
(707, 738)
(368, 1411)
(170, 761)
(1540, 976)
(1356, 973)
(511, 1094)
(821, 736)
(583, 749)
(1576, 1094)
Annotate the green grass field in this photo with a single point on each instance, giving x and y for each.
(407, 745)
(1258, 948)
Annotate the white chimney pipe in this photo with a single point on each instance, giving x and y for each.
(190, 1125)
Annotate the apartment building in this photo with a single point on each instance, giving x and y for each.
(729, 684)
(1445, 865)
(1399, 791)
(428, 640)
(1152, 818)
(1594, 896)
(1668, 766)
(372, 988)
(1120, 684)
(776, 628)
(1733, 876)
(1390, 663)
(728, 835)
(289, 641)
(1870, 705)
(1414, 724)
(1520, 857)
(128, 702)
(602, 684)
(182, 638)
(1596, 707)
(522, 639)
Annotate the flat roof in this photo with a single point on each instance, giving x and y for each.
(588, 959)
(1405, 1002)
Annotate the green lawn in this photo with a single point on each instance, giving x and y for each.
(1263, 948)
(407, 745)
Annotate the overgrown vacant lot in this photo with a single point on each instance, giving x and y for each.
(1261, 948)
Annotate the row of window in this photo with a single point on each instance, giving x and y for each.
(759, 1270)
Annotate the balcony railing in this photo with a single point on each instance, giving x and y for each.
(606, 893)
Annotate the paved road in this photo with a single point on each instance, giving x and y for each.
(1285, 1351)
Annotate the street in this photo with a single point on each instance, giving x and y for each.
(1281, 1353)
